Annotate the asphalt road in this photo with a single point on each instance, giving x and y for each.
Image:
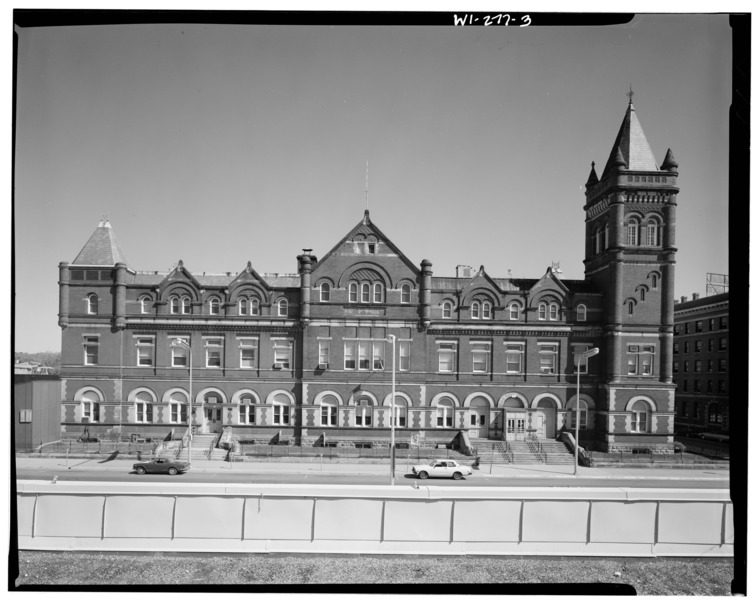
(478, 479)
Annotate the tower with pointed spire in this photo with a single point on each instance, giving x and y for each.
(630, 255)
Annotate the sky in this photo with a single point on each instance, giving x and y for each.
(222, 144)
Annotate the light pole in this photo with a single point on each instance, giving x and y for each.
(392, 340)
(587, 354)
(181, 343)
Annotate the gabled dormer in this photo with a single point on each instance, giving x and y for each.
(480, 297)
(548, 298)
(247, 293)
(180, 291)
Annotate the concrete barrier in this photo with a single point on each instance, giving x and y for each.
(179, 517)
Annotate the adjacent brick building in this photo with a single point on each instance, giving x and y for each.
(701, 364)
(307, 357)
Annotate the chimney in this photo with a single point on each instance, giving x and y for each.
(684, 299)
(695, 296)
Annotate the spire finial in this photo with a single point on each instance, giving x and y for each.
(367, 185)
(630, 93)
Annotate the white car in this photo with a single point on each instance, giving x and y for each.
(442, 468)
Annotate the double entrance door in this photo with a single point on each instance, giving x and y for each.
(213, 419)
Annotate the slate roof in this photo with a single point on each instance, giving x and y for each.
(276, 280)
(511, 285)
(631, 145)
(102, 248)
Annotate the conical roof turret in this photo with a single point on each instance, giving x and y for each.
(102, 248)
(669, 163)
(593, 178)
(633, 146)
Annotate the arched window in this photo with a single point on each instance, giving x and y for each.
(324, 292)
(363, 416)
(365, 292)
(179, 409)
(282, 307)
(654, 281)
(243, 307)
(406, 293)
(596, 239)
(542, 311)
(281, 410)
(399, 410)
(642, 294)
(143, 406)
(329, 412)
(581, 313)
(377, 292)
(605, 237)
(214, 306)
(186, 305)
(90, 408)
(514, 311)
(246, 410)
(174, 305)
(254, 307)
(444, 413)
(475, 312)
(630, 307)
(632, 231)
(553, 312)
(446, 309)
(144, 304)
(641, 417)
(652, 233)
(92, 303)
(582, 415)
(353, 292)
(486, 310)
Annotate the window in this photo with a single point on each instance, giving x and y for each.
(585, 362)
(632, 233)
(179, 354)
(174, 305)
(709, 386)
(486, 310)
(640, 412)
(722, 343)
(378, 356)
(282, 307)
(444, 413)
(281, 354)
(281, 410)
(323, 353)
(686, 328)
(642, 294)
(213, 352)
(480, 357)
(710, 345)
(548, 356)
(404, 349)
(377, 292)
(406, 293)
(553, 312)
(475, 311)
(352, 292)
(365, 297)
(90, 408)
(686, 347)
(581, 313)
(329, 412)
(676, 366)
(710, 366)
(654, 281)
(723, 322)
(92, 304)
(186, 305)
(676, 347)
(91, 349)
(698, 345)
(399, 411)
(686, 366)
(371, 355)
(247, 352)
(715, 413)
(243, 307)
(722, 386)
(514, 357)
(698, 326)
(514, 309)
(652, 233)
(630, 308)
(711, 324)
(349, 355)
(24, 416)
(698, 366)
(145, 351)
(542, 311)
(214, 305)
(684, 408)
(722, 365)
(447, 357)
(641, 360)
(179, 410)
(246, 410)
(144, 304)
(684, 385)
(446, 309)
(363, 416)
(143, 408)
(324, 292)
(582, 415)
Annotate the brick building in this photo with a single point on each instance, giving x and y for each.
(307, 357)
(701, 358)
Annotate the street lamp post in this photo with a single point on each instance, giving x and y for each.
(180, 343)
(392, 340)
(585, 355)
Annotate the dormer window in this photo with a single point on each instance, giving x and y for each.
(514, 309)
(175, 305)
(486, 310)
(365, 293)
(553, 308)
(254, 307)
(214, 306)
(446, 310)
(377, 292)
(282, 307)
(581, 313)
(542, 311)
(243, 307)
(186, 305)
(353, 292)
(406, 293)
(371, 248)
(324, 292)
(475, 310)
(144, 304)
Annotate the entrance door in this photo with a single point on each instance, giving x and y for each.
(547, 416)
(516, 425)
(213, 418)
(478, 418)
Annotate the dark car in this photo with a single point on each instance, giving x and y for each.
(161, 465)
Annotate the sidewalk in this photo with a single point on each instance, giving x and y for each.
(101, 463)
